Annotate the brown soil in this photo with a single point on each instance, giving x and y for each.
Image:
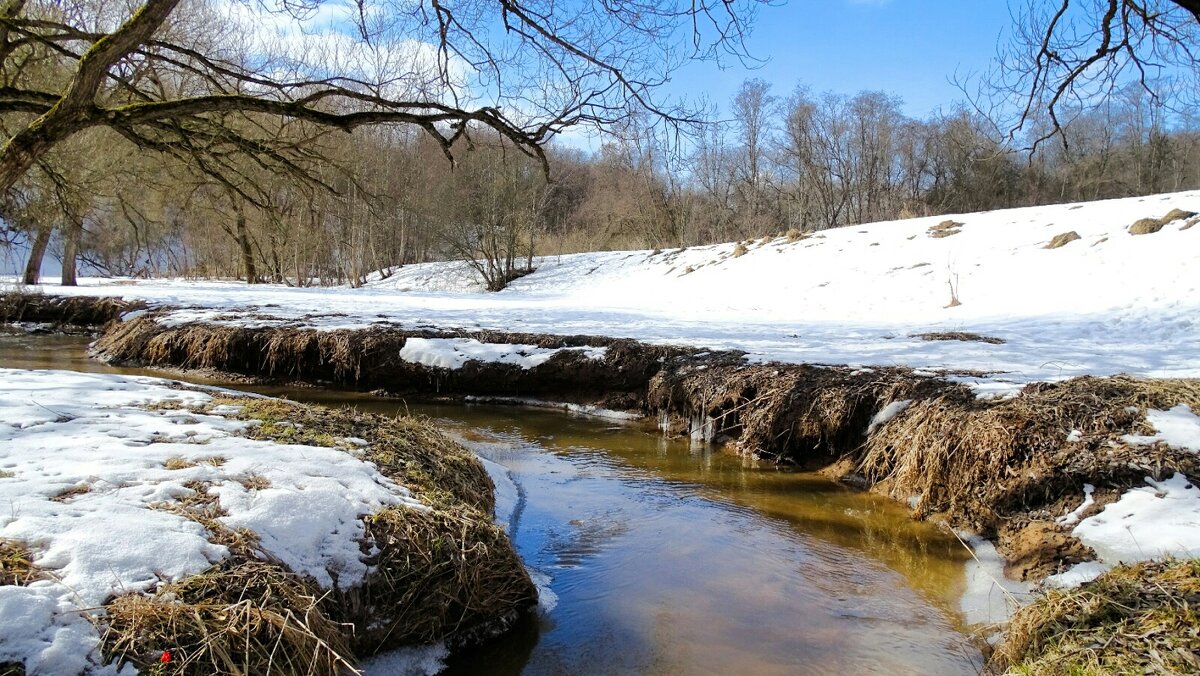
(1039, 549)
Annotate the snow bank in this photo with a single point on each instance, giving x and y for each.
(452, 353)
(85, 474)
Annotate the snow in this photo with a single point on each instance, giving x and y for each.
(1155, 521)
(418, 661)
(1178, 427)
(452, 353)
(890, 411)
(585, 410)
(990, 597)
(1110, 303)
(1073, 518)
(88, 434)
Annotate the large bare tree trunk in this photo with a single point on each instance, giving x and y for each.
(71, 252)
(37, 252)
(243, 238)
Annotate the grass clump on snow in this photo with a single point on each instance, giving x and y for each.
(1143, 618)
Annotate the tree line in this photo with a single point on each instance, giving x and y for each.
(164, 138)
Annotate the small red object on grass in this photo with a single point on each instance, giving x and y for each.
(166, 657)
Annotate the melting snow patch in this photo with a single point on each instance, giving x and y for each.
(990, 596)
(1073, 518)
(1178, 427)
(418, 661)
(452, 353)
(1159, 520)
(890, 411)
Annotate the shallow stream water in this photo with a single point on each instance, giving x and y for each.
(669, 557)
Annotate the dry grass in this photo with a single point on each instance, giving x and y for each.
(740, 250)
(945, 229)
(1064, 239)
(1149, 226)
(255, 482)
(408, 450)
(963, 336)
(980, 460)
(1135, 619)
(802, 415)
(242, 617)
(73, 492)
(16, 565)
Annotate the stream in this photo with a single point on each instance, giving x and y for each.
(663, 556)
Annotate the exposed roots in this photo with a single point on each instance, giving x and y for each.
(1133, 620)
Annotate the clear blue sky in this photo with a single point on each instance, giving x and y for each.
(907, 47)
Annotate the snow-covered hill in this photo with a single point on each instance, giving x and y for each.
(1108, 302)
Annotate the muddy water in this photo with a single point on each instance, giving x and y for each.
(667, 557)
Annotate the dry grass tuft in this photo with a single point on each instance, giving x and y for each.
(740, 250)
(16, 565)
(945, 229)
(178, 462)
(1145, 226)
(72, 492)
(441, 570)
(1134, 619)
(1149, 226)
(964, 336)
(242, 617)
(1063, 240)
(255, 482)
(981, 460)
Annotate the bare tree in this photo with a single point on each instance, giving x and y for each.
(523, 69)
(1065, 55)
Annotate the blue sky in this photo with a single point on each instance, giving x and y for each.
(906, 47)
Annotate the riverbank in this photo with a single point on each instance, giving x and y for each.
(194, 530)
(1006, 467)
(1040, 395)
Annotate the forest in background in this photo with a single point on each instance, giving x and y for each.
(270, 197)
